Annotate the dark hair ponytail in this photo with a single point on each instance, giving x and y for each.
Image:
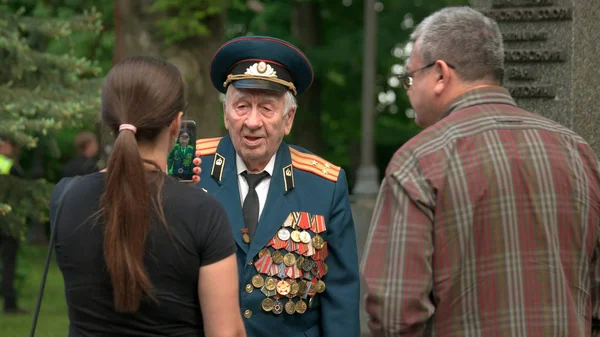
(146, 93)
(126, 217)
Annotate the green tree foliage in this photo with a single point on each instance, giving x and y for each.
(42, 93)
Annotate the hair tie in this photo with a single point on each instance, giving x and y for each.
(127, 127)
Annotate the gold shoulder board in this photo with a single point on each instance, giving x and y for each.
(207, 146)
(314, 164)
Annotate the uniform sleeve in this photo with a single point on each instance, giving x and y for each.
(213, 233)
(397, 265)
(340, 302)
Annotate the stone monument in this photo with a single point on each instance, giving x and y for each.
(552, 59)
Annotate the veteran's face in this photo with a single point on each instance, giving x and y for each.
(257, 123)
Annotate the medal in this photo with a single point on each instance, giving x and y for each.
(289, 259)
(277, 307)
(283, 287)
(312, 290)
(307, 265)
(258, 281)
(283, 234)
(294, 288)
(277, 257)
(295, 235)
(245, 235)
(270, 284)
(263, 252)
(302, 288)
(299, 261)
(290, 307)
(317, 242)
(305, 237)
(267, 304)
(320, 286)
(301, 307)
(310, 302)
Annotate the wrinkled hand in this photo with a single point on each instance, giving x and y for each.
(197, 170)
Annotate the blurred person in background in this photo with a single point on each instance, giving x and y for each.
(84, 162)
(9, 245)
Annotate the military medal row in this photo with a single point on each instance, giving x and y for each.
(286, 287)
(275, 290)
(289, 265)
(275, 306)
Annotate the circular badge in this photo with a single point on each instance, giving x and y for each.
(283, 287)
(305, 237)
(258, 281)
(301, 307)
(290, 307)
(283, 234)
(267, 304)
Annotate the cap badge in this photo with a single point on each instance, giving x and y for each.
(261, 69)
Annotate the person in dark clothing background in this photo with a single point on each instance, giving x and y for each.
(9, 245)
(86, 145)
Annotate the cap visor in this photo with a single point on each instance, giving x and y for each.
(259, 84)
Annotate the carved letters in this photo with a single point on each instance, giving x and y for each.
(525, 36)
(521, 3)
(530, 14)
(522, 74)
(533, 55)
(532, 91)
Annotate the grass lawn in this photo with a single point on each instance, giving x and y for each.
(53, 320)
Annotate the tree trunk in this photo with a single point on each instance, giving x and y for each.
(137, 35)
(306, 28)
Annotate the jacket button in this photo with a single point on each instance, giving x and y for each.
(249, 288)
(248, 313)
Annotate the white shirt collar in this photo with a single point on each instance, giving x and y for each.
(241, 166)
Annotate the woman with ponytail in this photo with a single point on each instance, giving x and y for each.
(142, 254)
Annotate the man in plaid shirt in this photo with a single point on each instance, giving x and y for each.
(487, 221)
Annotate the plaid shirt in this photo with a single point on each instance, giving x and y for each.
(486, 225)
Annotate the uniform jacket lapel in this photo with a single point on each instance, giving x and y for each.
(229, 193)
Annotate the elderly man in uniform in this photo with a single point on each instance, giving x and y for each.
(289, 209)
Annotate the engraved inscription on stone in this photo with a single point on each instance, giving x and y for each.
(521, 3)
(522, 74)
(530, 14)
(532, 91)
(519, 55)
(525, 36)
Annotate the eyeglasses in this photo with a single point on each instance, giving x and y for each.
(407, 79)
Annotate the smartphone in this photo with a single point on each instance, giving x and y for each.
(180, 163)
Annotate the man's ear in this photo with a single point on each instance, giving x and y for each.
(443, 77)
(289, 122)
(225, 116)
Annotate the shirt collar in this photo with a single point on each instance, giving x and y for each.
(241, 166)
(487, 94)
